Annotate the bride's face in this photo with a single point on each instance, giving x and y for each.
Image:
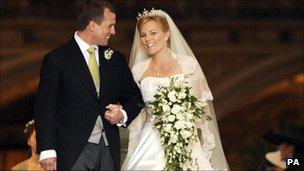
(153, 37)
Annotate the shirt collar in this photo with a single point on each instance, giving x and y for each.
(82, 44)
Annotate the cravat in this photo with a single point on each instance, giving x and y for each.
(93, 67)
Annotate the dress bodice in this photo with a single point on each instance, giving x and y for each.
(149, 86)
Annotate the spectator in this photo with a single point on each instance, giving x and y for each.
(32, 163)
(290, 145)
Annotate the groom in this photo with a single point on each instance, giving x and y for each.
(76, 117)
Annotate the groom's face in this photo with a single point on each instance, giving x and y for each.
(103, 31)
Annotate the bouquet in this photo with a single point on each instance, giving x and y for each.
(175, 112)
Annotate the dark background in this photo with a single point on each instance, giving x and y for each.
(250, 51)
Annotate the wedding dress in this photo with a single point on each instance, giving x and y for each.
(149, 154)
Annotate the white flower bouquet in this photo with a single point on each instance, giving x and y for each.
(175, 112)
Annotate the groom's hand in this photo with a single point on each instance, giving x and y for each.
(114, 114)
(49, 163)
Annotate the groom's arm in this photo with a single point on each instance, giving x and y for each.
(45, 108)
(130, 96)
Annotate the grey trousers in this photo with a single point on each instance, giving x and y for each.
(95, 157)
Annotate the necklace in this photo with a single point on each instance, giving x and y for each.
(157, 72)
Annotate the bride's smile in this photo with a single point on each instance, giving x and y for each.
(153, 37)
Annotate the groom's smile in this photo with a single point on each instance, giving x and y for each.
(105, 29)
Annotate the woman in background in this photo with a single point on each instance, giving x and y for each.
(33, 162)
(290, 144)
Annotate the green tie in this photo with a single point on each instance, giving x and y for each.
(93, 67)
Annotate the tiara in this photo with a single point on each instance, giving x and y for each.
(152, 12)
(27, 125)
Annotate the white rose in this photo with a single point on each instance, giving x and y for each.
(189, 124)
(181, 78)
(177, 149)
(179, 144)
(189, 116)
(164, 119)
(162, 139)
(177, 84)
(168, 127)
(180, 116)
(181, 95)
(185, 134)
(179, 124)
(176, 109)
(166, 108)
(174, 138)
(171, 96)
(171, 118)
(191, 92)
(179, 81)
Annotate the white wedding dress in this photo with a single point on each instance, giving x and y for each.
(148, 153)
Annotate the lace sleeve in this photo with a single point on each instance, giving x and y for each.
(206, 138)
(208, 132)
(200, 84)
(136, 73)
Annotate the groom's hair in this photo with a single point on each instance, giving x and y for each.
(92, 10)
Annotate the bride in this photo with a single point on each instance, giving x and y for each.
(159, 53)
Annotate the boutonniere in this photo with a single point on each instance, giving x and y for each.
(108, 53)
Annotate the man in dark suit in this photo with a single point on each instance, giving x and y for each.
(80, 84)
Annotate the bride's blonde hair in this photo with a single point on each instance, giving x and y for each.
(161, 21)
